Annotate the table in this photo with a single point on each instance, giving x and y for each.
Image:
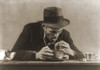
(50, 65)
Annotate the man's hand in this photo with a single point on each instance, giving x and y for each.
(63, 46)
(45, 53)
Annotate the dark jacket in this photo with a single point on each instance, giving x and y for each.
(30, 41)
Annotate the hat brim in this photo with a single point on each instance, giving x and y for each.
(63, 23)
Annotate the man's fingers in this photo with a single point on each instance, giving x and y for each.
(48, 53)
(64, 46)
(68, 51)
(63, 50)
(62, 42)
(47, 49)
(45, 57)
(57, 44)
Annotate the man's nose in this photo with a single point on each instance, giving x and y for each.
(54, 35)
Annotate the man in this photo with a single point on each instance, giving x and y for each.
(38, 40)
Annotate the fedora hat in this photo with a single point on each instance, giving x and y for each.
(53, 17)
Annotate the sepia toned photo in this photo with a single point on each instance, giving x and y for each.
(49, 35)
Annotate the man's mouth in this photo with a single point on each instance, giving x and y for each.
(52, 39)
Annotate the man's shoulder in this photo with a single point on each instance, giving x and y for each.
(65, 31)
(33, 24)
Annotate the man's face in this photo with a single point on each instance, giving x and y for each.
(52, 33)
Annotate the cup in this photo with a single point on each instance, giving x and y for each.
(58, 54)
(89, 56)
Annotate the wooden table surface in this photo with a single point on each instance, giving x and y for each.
(48, 65)
(51, 62)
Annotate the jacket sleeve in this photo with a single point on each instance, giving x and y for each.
(22, 45)
(78, 54)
